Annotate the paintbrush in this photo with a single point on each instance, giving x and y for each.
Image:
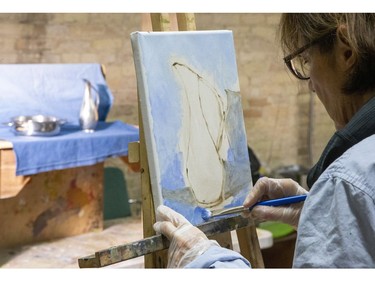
(207, 214)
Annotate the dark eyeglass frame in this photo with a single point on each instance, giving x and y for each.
(288, 59)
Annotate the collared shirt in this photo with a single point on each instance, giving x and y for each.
(337, 223)
(361, 126)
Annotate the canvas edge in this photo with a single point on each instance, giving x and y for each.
(146, 118)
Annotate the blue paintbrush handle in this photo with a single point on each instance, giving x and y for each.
(281, 201)
(207, 214)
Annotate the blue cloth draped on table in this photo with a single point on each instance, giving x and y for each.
(57, 90)
(50, 89)
(71, 148)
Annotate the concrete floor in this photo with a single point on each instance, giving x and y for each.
(64, 253)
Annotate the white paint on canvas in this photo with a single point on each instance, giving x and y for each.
(203, 139)
(192, 114)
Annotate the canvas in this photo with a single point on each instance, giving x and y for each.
(193, 120)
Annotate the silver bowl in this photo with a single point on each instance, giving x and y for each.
(36, 125)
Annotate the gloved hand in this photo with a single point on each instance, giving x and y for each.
(267, 188)
(187, 241)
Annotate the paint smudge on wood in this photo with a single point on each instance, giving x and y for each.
(42, 219)
(76, 197)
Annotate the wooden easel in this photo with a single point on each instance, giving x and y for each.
(247, 236)
(155, 247)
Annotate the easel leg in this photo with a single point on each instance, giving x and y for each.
(224, 240)
(148, 215)
(249, 246)
(157, 259)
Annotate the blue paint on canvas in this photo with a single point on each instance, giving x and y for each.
(169, 63)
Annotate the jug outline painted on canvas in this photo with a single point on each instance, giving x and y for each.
(169, 66)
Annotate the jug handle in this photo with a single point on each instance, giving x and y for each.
(97, 97)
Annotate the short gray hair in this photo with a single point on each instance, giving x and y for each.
(298, 29)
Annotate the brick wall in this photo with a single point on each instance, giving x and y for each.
(280, 126)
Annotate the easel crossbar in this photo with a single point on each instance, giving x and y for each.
(156, 243)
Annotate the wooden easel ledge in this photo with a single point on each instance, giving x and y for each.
(155, 243)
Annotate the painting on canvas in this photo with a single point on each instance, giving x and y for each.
(193, 120)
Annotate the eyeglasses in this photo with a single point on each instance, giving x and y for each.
(297, 64)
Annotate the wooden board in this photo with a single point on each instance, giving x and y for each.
(10, 185)
(52, 205)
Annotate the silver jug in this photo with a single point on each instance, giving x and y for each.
(88, 116)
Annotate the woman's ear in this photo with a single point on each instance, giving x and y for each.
(346, 55)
